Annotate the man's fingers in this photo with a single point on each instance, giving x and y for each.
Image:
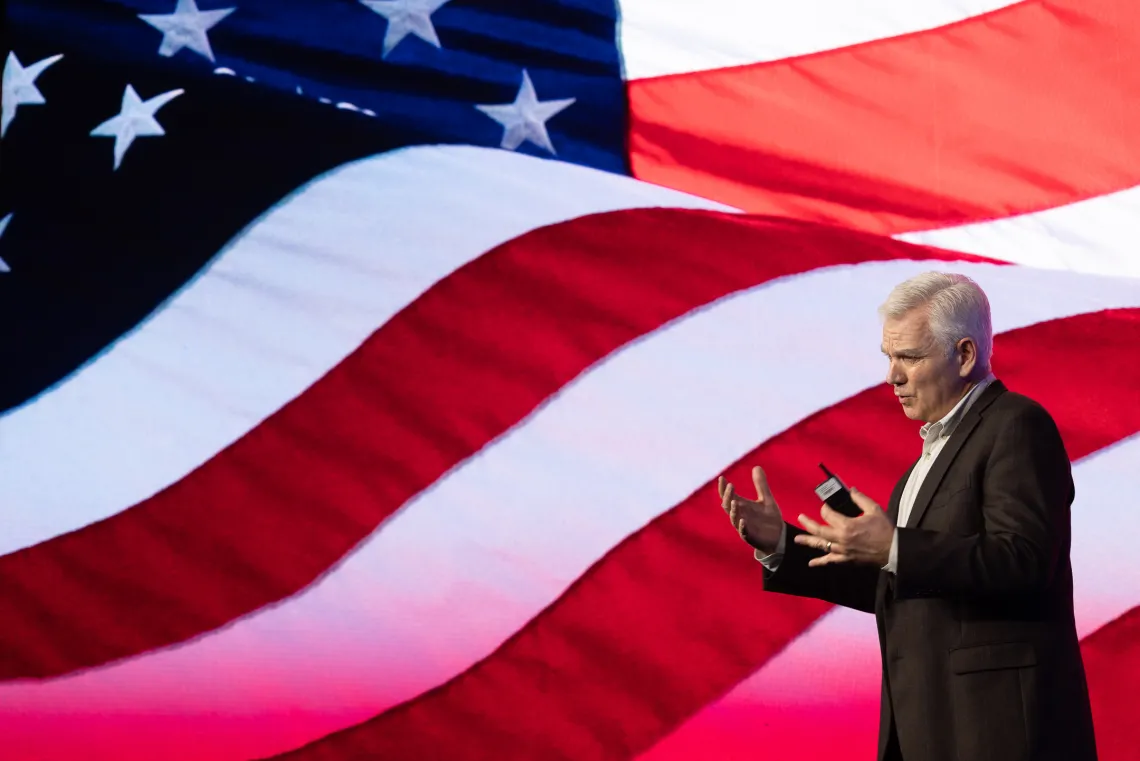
(737, 520)
(727, 498)
(825, 533)
(833, 552)
(815, 542)
(809, 525)
(720, 483)
(827, 559)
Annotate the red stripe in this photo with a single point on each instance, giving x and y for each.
(1112, 663)
(444, 377)
(1022, 109)
(673, 617)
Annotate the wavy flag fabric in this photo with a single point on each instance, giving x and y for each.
(367, 364)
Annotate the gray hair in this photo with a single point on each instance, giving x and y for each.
(958, 309)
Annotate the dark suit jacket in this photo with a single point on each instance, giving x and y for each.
(980, 654)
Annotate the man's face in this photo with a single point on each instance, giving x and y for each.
(928, 380)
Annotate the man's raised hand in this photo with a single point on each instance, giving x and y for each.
(757, 521)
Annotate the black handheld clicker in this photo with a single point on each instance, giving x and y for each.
(836, 496)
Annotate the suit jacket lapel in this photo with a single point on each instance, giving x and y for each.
(946, 457)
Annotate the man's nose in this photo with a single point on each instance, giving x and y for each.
(895, 376)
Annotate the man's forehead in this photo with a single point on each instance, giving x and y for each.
(913, 326)
(903, 337)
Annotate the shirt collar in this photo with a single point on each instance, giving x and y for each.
(944, 427)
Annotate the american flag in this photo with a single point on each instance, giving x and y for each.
(368, 365)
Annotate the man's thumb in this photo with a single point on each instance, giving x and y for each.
(760, 480)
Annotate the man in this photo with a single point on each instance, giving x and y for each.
(968, 570)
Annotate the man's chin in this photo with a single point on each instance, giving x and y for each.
(910, 411)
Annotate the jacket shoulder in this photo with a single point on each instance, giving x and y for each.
(1011, 404)
(1015, 417)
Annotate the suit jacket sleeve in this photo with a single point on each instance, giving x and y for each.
(1027, 489)
(849, 585)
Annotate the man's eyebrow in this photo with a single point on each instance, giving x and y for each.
(904, 353)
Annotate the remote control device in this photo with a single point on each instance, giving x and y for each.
(835, 494)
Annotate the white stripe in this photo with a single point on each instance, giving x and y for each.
(277, 309)
(1087, 236)
(660, 37)
(308, 282)
(468, 562)
(836, 664)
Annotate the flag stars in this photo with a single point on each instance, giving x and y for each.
(186, 27)
(526, 118)
(406, 17)
(4, 268)
(135, 119)
(19, 88)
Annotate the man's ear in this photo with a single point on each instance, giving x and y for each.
(967, 352)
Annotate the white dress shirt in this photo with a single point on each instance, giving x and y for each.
(934, 438)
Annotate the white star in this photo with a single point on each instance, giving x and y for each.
(4, 226)
(135, 119)
(526, 118)
(407, 17)
(186, 28)
(20, 87)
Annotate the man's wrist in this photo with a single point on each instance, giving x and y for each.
(772, 559)
(781, 539)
